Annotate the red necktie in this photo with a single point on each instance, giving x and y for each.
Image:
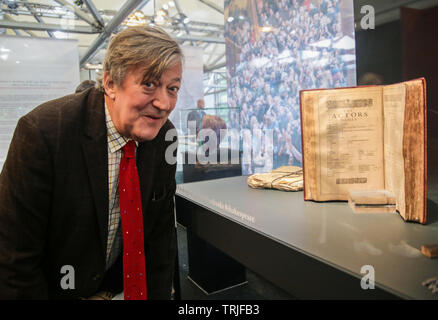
(134, 269)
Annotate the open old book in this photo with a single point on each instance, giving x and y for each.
(367, 138)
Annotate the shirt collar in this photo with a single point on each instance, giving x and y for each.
(115, 140)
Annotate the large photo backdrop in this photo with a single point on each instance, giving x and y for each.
(275, 49)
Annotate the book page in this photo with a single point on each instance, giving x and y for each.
(394, 97)
(309, 141)
(350, 141)
(415, 151)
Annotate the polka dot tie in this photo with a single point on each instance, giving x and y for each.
(134, 269)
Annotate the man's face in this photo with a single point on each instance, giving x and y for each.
(201, 104)
(139, 108)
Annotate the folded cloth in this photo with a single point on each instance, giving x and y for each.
(286, 178)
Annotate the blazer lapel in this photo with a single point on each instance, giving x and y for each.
(95, 149)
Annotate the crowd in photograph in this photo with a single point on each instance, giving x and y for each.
(281, 47)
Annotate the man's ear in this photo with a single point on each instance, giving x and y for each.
(109, 86)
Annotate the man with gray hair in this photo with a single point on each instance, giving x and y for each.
(86, 196)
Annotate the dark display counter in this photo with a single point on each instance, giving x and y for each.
(311, 250)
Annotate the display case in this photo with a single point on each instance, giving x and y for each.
(209, 144)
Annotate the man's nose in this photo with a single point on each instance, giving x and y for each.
(161, 99)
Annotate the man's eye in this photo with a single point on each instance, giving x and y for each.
(149, 85)
(174, 89)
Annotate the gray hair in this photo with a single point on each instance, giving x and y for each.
(150, 48)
